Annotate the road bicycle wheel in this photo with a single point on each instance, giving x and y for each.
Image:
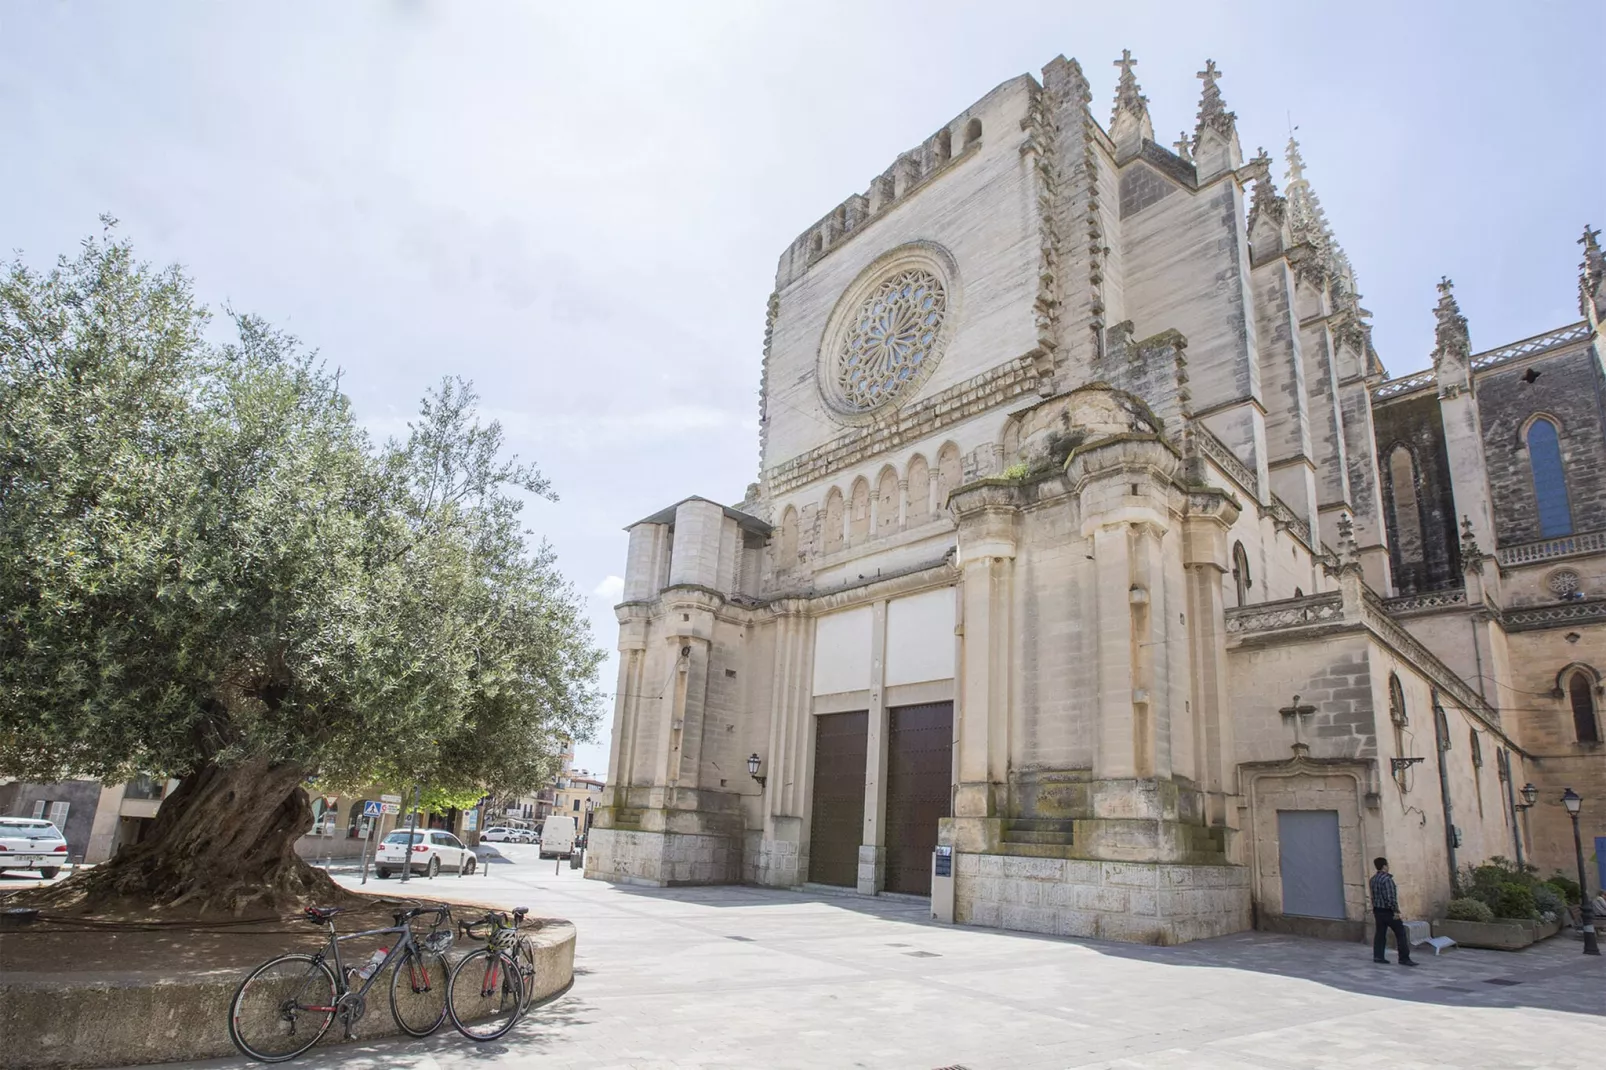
(525, 956)
(282, 1008)
(485, 995)
(418, 992)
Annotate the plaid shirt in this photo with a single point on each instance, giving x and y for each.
(1384, 895)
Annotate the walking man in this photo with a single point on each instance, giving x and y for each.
(1386, 912)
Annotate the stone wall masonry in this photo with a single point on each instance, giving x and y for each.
(979, 216)
(1135, 902)
(661, 859)
(1414, 422)
(1569, 389)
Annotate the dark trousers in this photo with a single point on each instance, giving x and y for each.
(1402, 939)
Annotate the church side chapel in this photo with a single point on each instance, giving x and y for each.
(1093, 542)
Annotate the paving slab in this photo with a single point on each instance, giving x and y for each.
(734, 977)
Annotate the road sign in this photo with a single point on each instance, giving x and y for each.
(471, 821)
(391, 799)
(390, 808)
(371, 808)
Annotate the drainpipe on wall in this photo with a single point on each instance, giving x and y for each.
(1441, 736)
(1511, 806)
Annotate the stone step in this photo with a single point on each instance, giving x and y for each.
(1033, 836)
(1039, 824)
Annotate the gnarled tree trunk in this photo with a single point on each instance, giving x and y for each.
(223, 841)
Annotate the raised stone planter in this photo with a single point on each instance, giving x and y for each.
(1544, 930)
(1508, 935)
(96, 1019)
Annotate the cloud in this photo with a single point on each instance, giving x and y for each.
(612, 589)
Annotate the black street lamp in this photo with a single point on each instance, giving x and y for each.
(1574, 802)
(753, 762)
(1530, 794)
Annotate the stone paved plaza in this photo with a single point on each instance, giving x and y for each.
(744, 977)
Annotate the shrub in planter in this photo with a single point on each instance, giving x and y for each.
(1548, 901)
(1468, 910)
(1515, 901)
(1566, 887)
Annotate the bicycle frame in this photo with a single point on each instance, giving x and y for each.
(405, 942)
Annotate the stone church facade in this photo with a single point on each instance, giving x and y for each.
(1093, 541)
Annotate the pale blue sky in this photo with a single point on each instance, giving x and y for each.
(581, 207)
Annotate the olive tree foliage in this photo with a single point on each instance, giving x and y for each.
(207, 570)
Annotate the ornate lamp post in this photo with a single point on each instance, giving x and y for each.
(753, 763)
(1574, 802)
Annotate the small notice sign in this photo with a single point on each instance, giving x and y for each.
(944, 862)
(471, 821)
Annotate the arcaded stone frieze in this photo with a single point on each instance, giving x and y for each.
(922, 419)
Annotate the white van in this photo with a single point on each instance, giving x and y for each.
(557, 837)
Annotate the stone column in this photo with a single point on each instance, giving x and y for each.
(1206, 559)
(699, 529)
(987, 542)
(873, 849)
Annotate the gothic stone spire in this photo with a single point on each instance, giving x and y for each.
(1309, 225)
(1129, 124)
(1450, 337)
(1215, 138)
(1183, 147)
(1592, 276)
(1268, 205)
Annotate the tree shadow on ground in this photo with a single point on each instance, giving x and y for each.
(1551, 975)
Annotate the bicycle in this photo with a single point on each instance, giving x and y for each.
(492, 987)
(286, 1005)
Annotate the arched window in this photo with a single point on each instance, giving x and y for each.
(1240, 573)
(919, 507)
(886, 504)
(833, 521)
(1477, 751)
(787, 554)
(1582, 695)
(949, 474)
(945, 145)
(817, 246)
(972, 132)
(1550, 479)
(1405, 512)
(859, 513)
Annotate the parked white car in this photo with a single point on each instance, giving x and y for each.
(28, 843)
(424, 851)
(505, 834)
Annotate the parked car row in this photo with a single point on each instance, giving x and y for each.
(509, 834)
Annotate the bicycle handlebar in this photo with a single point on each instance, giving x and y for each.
(442, 913)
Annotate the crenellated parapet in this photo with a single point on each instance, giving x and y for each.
(949, 147)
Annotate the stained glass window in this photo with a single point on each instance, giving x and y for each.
(1550, 480)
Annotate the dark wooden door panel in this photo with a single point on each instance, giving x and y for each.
(840, 741)
(919, 791)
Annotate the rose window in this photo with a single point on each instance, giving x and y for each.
(1563, 583)
(891, 339)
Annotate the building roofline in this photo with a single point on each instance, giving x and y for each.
(746, 521)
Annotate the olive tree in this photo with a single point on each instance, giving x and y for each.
(208, 571)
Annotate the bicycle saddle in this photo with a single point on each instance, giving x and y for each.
(318, 914)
